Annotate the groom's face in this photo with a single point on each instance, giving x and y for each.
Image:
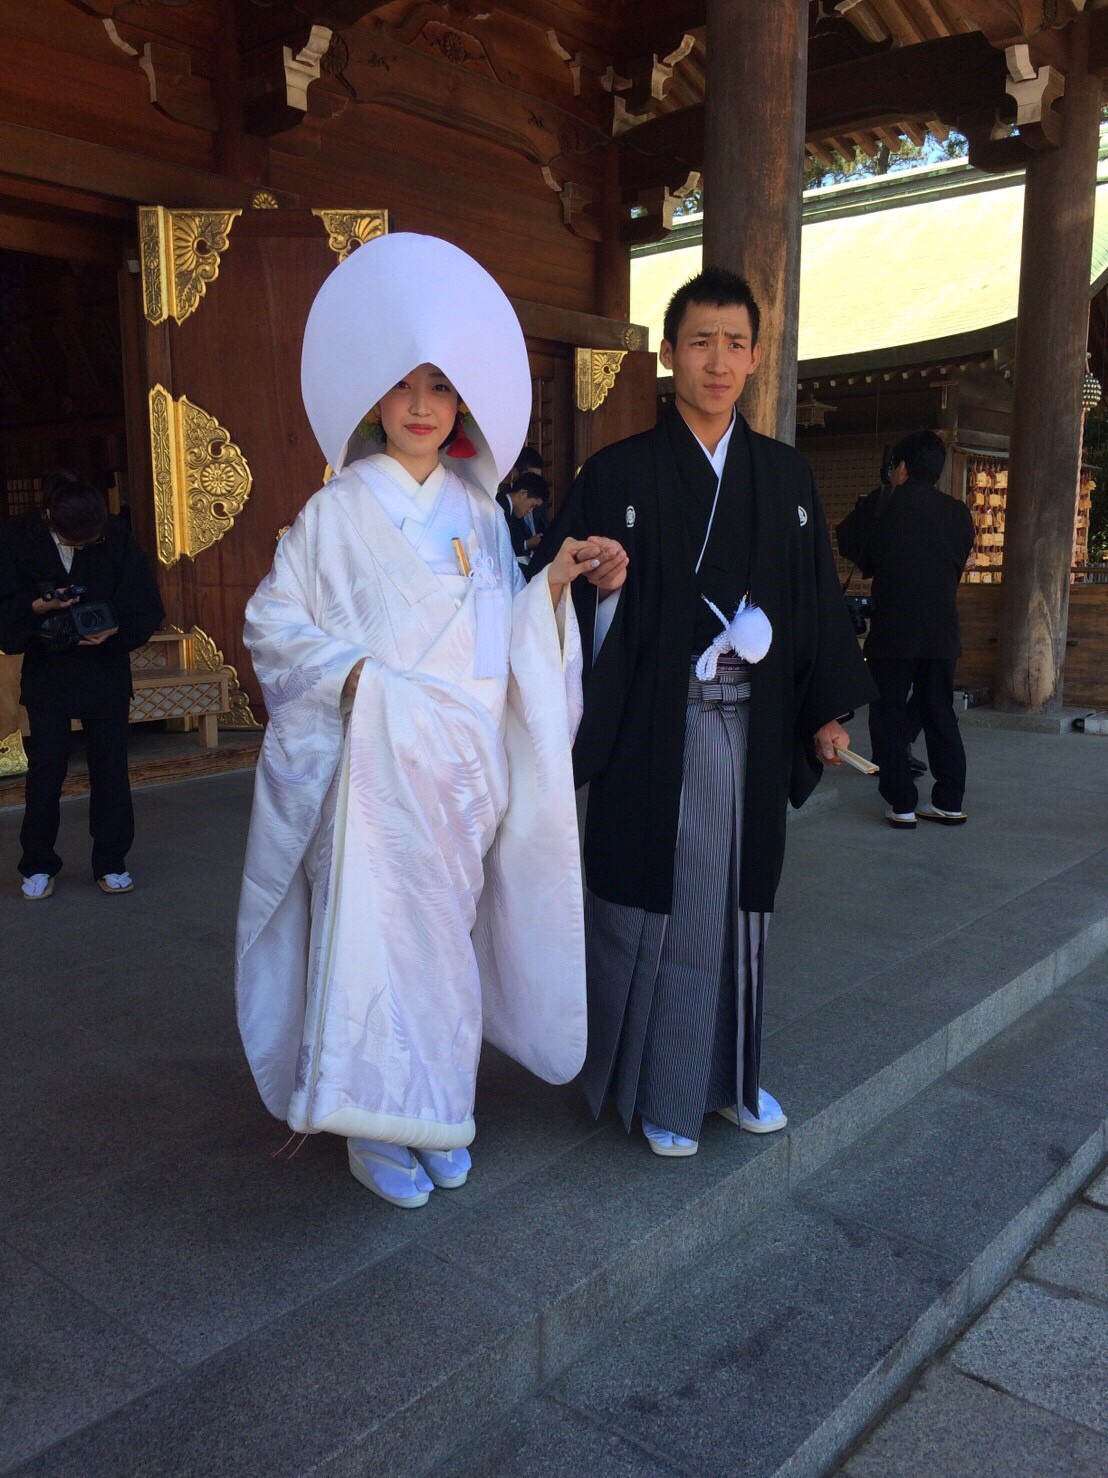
(714, 356)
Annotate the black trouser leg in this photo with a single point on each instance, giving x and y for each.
(47, 763)
(111, 819)
(889, 731)
(946, 755)
(915, 723)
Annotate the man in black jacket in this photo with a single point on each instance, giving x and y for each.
(73, 541)
(522, 506)
(913, 541)
(690, 776)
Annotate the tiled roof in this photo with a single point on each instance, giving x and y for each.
(890, 266)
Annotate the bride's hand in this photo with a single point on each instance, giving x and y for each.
(576, 557)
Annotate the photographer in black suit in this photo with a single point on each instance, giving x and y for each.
(76, 596)
(913, 541)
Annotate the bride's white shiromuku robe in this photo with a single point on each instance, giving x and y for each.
(412, 877)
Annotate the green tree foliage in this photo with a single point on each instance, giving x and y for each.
(885, 161)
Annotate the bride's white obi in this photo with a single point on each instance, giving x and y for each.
(412, 878)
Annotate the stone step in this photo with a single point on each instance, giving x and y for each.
(384, 1363)
(771, 1355)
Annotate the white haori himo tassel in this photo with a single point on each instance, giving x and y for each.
(490, 656)
(748, 634)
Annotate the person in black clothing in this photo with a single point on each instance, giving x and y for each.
(73, 541)
(536, 493)
(715, 677)
(914, 541)
(529, 460)
(522, 504)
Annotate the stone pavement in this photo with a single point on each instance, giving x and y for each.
(771, 1352)
(1025, 1390)
(178, 1297)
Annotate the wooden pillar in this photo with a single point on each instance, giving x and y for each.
(1051, 338)
(753, 171)
(237, 154)
(613, 256)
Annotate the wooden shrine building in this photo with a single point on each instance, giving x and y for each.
(178, 176)
(908, 313)
(909, 291)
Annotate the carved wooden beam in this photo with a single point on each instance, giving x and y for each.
(1098, 43)
(276, 83)
(936, 79)
(444, 30)
(822, 155)
(649, 76)
(1039, 24)
(862, 15)
(945, 79)
(1004, 22)
(465, 96)
(617, 29)
(307, 132)
(994, 145)
(661, 148)
(591, 72)
(661, 207)
(174, 91)
(566, 326)
(118, 174)
(1035, 91)
(578, 206)
(866, 143)
(574, 60)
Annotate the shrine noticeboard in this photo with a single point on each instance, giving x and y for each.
(232, 459)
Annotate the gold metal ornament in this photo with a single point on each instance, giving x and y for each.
(13, 757)
(595, 372)
(264, 200)
(201, 478)
(180, 252)
(207, 656)
(349, 229)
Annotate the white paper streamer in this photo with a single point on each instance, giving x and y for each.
(748, 634)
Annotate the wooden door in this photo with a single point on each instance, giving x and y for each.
(551, 432)
(616, 396)
(232, 457)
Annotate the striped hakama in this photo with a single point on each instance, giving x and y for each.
(675, 1000)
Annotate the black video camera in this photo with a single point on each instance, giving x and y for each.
(62, 630)
(861, 611)
(885, 473)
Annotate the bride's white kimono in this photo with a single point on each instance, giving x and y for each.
(412, 876)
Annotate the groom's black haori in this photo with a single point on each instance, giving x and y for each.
(656, 1022)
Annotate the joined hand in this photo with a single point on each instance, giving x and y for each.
(611, 572)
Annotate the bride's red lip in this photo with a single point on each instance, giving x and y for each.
(419, 429)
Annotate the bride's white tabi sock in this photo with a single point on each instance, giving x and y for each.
(390, 1171)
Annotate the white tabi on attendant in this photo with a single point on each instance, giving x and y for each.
(412, 878)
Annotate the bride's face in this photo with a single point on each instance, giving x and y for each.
(418, 413)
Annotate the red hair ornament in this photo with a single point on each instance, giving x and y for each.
(460, 446)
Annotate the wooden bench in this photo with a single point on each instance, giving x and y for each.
(167, 688)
